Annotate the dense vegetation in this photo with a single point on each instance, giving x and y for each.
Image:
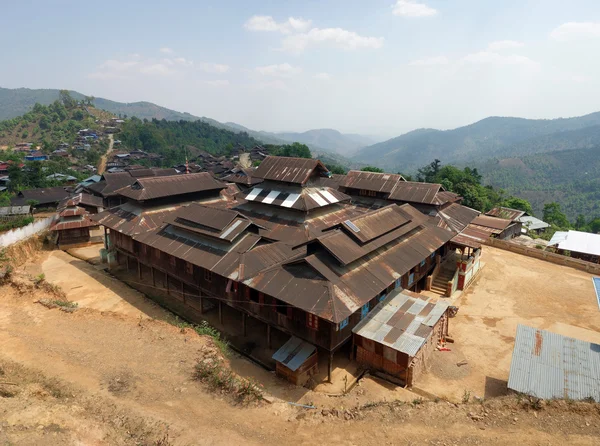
(495, 136)
(569, 177)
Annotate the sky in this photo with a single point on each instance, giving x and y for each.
(376, 67)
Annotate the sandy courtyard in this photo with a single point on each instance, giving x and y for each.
(511, 289)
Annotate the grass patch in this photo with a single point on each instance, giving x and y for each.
(204, 329)
(64, 305)
(217, 376)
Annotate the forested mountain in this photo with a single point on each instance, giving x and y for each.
(569, 177)
(490, 137)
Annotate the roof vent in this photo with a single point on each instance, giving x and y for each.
(352, 226)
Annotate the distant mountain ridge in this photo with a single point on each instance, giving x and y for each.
(18, 101)
(490, 137)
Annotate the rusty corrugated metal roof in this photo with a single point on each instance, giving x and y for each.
(413, 192)
(83, 221)
(499, 224)
(551, 366)
(456, 217)
(377, 182)
(506, 213)
(167, 186)
(289, 170)
(72, 211)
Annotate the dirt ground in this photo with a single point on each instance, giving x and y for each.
(103, 375)
(511, 289)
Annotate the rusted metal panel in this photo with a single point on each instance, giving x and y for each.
(413, 192)
(491, 222)
(82, 222)
(72, 211)
(456, 216)
(288, 170)
(371, 181)
(506, 213)
(376, 223)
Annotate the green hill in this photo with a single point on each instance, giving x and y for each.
(490, 137)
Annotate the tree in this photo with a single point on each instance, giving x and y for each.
(336, 169)
(66, 99)
(4, 199)
(554, 216)
(580, 222)
(372, 169)
(429, 173)
(296, 150)
(518, 203)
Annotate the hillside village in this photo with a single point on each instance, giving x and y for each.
(362, 284)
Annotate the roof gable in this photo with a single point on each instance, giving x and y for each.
(288, 170)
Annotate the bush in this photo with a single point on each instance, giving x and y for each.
(16, 223)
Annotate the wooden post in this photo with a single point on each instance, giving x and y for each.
(352, 349)
(244, 323)
(201, 303)
(105, 237)
(153, 278)
(220, 312)
(330, 367)
(182, 291)
(268, 336)
(139, 270)
(167, 278)
(127, 258)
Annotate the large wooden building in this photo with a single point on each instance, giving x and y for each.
(289, 251)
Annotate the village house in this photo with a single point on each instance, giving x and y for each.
(45, 197)
(9, 213)
(514, 215)
(577, 244)
(289, 253)
(73, 227)
(110, 182)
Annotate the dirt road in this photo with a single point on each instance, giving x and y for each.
(103, 375)
(103, 158)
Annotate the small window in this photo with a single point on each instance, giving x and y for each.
(312, 321)
(281, 307)
(344, 324)
(433, 254)
(364, 311)
(411, 278)
(208, 275)
(423, 262)
(382, 297)
(398, 283)
(189, 268)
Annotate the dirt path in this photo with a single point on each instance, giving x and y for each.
(103, 375)
(103, 158)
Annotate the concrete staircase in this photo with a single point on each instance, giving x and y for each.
(441, 280)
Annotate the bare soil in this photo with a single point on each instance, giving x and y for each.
(106, 376)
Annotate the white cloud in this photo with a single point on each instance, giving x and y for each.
(215, 68)
(409, 8)
(135, 65)
(218, 83)
(438, 60)
(488, 57)
(504, 45)
(275, 84)
(268, 23)
(322, 76)
(579, 78)
(166, 50)
(575, 31)
(336, 37)
(281, 70)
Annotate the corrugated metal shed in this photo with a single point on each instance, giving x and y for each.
(532, 224)
(548, 365)
(402, 322)
(288, 170)
(582, 242)
(293, 353)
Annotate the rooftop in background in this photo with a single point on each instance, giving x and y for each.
(6, 211)
(582, 242)
(377, 182)
(548, 365)
(44, 195)
(532, 224)
(111, 182)
(166, 186)
(496, 224)
(506, 213)
(403, 321)
(288, 170)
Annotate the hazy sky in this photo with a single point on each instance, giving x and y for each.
(374, 67)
